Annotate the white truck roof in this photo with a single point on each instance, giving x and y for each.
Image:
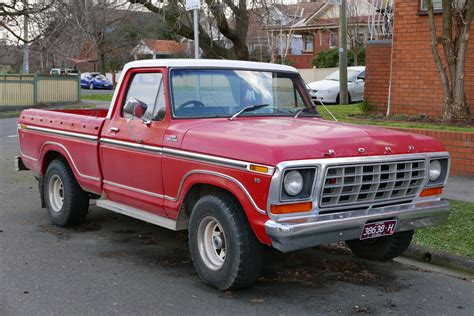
(198, 63)
(204, 63)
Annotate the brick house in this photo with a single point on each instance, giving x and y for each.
(155, 48)
(405, 63)
(310, 27)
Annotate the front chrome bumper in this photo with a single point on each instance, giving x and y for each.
(326, 228)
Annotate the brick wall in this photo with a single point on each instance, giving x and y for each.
(416, 86)
(459, 144)
(301, 61)
(377, 76)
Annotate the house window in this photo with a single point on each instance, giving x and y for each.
(308, 43)
(332, 40)
(437, 5)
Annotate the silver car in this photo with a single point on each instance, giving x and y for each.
(327, 90)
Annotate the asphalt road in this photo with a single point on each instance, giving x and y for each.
(96, 91)
(116, 265)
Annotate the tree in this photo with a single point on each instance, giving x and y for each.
(457, 18)
(231, 19)
(13, 12)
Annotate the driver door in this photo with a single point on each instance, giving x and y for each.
(131, 143)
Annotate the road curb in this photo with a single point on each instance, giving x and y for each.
(440, 258)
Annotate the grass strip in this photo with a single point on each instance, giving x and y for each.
(97, 97)
(347, 113)
(457, 236)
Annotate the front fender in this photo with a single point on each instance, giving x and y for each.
(256, 216)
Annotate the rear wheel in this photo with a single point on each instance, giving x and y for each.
(66, 203)
(382, 248)
(225, 252)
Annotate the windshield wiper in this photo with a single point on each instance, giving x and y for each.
(309, 110)
(247, 109)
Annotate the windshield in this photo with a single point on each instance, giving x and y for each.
(224, 92)
(351, 75)
(100, 77)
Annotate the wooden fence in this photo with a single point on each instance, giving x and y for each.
(31, 90)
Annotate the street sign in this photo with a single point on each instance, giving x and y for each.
(193, 5)
(336, 2)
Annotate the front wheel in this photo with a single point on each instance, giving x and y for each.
(225, 252)
(91, 86)
(381, 248)
(66, 203)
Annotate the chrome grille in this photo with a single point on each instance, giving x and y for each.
(357, 184)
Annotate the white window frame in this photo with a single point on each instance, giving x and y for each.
(437, 5)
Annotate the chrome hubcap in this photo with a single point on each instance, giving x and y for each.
(211, 243)
(56, 193)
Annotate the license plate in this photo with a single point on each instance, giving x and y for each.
(378, 229)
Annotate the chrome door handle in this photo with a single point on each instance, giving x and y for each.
(114, 129)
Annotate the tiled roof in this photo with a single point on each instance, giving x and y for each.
(165, 46)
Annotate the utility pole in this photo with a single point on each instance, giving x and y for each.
(196, 33)
(26, 53)
(343, 97)
(195, 5)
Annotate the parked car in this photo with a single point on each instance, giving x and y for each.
(236, 153)
(327, 90)
(63, 71)
(95, 80)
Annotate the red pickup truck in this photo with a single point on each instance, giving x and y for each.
(236, 153)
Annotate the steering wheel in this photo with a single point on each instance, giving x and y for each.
(195, 103)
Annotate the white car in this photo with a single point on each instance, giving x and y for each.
(327, 90)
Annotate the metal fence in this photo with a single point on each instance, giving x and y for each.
(31, 90)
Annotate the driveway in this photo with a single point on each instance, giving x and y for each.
(117, 265)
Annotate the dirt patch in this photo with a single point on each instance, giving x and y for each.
(59, 232)
(125, 231)
(308, 270)
(113, 254)
(88, 226)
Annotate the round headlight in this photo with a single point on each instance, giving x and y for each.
(435, 170)
(293, 182)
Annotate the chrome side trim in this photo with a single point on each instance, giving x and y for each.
(174, 199)
(59, 132)
(67, 152)
(216, 160)
(137, 213)
(240, 185)
(126, 187)
(124, 144)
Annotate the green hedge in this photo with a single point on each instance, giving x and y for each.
(330, 58)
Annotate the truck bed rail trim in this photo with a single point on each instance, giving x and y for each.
(59, 132)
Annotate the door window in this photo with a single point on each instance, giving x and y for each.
(148, 88)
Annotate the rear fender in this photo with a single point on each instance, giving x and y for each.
(50, 151)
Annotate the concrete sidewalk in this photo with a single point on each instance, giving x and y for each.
(460, 188)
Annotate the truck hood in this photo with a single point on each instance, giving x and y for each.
(273, 140)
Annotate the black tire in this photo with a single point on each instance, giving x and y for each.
(75, 201)
(382, 248)
(243, 252)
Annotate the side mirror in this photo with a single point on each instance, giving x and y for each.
(135, 107)
(360, 80)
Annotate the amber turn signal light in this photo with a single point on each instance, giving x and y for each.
(291, 208)
(431, 191)
(258, 168)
